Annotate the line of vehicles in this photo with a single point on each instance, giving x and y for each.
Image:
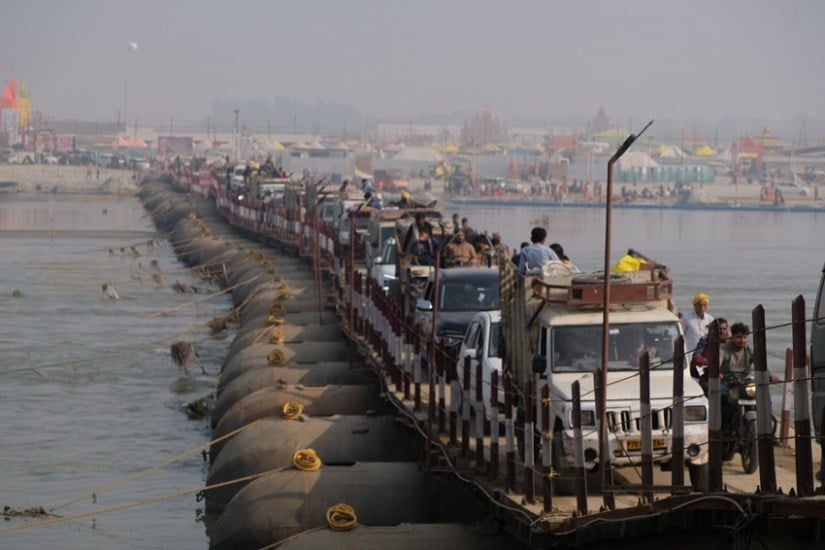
(553, 337)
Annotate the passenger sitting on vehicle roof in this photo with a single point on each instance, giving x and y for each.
(534, 255)
(425, 248)
(370, 202)
(460, 252)
(406, 201)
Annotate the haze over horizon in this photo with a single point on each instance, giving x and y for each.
(381, 59)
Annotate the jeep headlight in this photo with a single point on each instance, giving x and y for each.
(696, 413)
(750, 390)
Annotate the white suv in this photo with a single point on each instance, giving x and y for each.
(482, 344)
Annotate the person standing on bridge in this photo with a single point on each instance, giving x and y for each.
(695, 323)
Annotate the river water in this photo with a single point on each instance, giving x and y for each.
(89, 395)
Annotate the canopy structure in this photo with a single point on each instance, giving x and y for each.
(126, 142)
(671, 152)
(421, 154)
(637, 159)
(704, 151)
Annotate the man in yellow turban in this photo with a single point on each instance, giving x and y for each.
(695, 323)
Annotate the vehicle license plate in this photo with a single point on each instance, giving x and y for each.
(636, 444)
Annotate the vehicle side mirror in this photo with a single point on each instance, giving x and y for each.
(539, 364)
(478, 353)
(423, 305)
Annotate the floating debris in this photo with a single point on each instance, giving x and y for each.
(33, 512)
(17, 293)
(182, 352)
(110, 290)
(184, 288)
(199, 408)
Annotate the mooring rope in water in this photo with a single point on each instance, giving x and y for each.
(88, 360)
(176, 458)
(207, 297)
(144, 502)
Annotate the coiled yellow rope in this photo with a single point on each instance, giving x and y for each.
(341, 517)
(277, 309)
(291, 410)
(274, 320)
(307, 460)
(276, 358)
(277, 337)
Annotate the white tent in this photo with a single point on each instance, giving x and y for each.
(422, 154)
(636, 159)
(672, 152)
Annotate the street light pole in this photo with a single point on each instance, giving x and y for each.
(125, 94)
(601, 393)
(235, 148)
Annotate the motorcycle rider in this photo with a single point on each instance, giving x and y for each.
(735, 358)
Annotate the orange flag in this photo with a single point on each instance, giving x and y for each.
(9, 98)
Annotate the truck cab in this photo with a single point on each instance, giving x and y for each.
(569, 349)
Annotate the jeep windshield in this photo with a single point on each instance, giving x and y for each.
(469, 296)
(578, 348)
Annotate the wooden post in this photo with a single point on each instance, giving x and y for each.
(529, 444)
(767, 464)
(802, 418)
(714, 414)
(646, 425)
(787, 397)
(479, 414)
(677, 419)
(465, 410)
(494, 427)
(546, 443)
(578, 451)
(509, 433)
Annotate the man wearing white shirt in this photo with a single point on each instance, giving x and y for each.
(695, 323)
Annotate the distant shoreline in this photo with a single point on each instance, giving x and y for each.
(56, 178)
(744, 206)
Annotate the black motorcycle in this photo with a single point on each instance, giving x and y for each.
(739, 421)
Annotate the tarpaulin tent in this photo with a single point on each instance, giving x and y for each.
(704, 151)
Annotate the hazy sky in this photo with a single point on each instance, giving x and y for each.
(639, 58)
